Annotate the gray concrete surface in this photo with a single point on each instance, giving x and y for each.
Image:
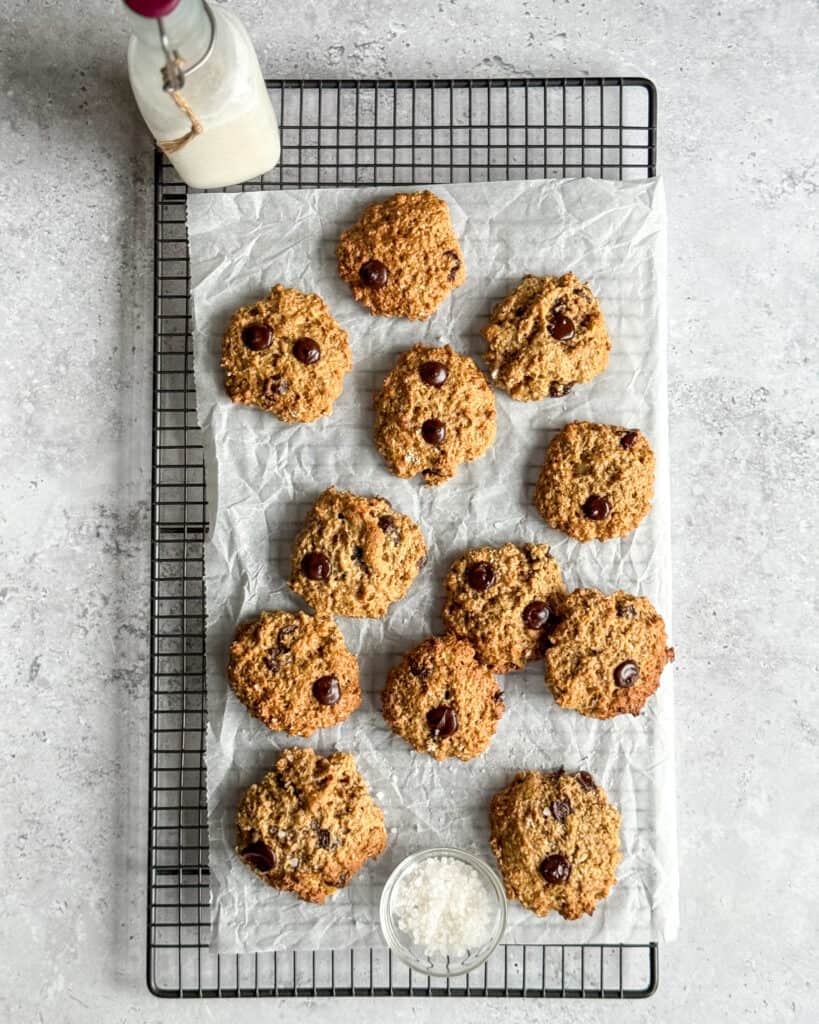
(738, 147)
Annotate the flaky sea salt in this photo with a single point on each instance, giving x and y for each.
(444, 906)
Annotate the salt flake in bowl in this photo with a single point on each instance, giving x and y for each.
(443, 912)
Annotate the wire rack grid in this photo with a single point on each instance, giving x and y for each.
(339, 133)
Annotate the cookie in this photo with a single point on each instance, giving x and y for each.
(442, 701)
(355, 555)
(557, 841)
(434, 411)
(287, 355)
(606, 654)
(545, 337)
(293, 672)
(597, 481)
(502, 601)
(401, 258)
(309, 825)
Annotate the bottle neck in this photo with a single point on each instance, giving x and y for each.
(187, 28)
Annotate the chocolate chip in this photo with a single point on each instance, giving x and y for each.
(419, 669)
(327, 691)
(275, 387)
(626, 674)
(323, 838)
(498, 697)
(597, 508)
(555, 869)
(626, 611)
(585, 780)
(306, 351)
(560, 388)
(629, 439)
(259, 856)
(561, 327)
(442, 721)
(271, 662)
(545, 641)
(390, 527)
(456, 266)
(316, 566)
(560, 809)
(480, 576)
(433, 431)
(358, 557)
(257, 337)
(285, 637)
(433, 373)
(373, 273)
(536, 615)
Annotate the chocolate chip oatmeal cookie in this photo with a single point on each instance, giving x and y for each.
(597, 481)
(545, 337)
(287, 355)
(355, 555)
(502, 601)
(557, 841)
(606, 654)
(309, 825)
(442, 701)
(401, 258)
(293, 672)
(434, 411)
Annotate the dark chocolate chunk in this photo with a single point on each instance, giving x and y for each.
(626, 674)
(306, 351)
(433, 373)
(259, 856)
(257, 337)
(327, 691)
(433, 431)
(442, 721)
(555, 869)
(316, 566)
(595, 507)
(373, 273)
(480, 576)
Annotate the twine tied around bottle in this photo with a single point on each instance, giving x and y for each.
(175, 68)
(174, 73)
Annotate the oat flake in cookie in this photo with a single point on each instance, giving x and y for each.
(293, 672)
(434, 411)
(502, 600)
(557, 841)
(309, 825)
(607, 653)
(597, 481)
(401, 258)
(287, 355)
(355, 555)
(442, 701)
(545, 337)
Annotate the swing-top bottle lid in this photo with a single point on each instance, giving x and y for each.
(152, 8)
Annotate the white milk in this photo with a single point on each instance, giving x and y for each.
(240, 137)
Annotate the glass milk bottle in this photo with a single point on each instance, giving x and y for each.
(197, 83)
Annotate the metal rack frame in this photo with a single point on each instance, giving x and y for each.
(339, 133)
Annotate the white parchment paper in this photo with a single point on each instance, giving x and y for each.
(264, 475)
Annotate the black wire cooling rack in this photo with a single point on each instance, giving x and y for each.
(339, 133)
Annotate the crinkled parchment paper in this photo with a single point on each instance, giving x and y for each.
(264, 475)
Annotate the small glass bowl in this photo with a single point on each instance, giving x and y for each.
(440, 965)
